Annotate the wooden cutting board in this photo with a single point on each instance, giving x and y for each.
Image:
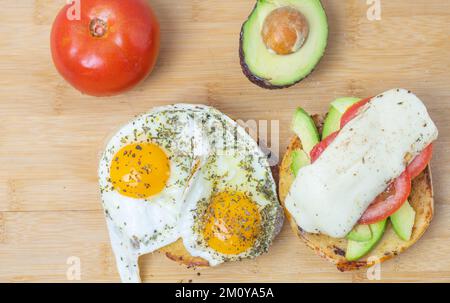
(51, 135)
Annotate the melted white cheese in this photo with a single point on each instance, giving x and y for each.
(330, 195)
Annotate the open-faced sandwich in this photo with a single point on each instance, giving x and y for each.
(364, 193)
(188, 181)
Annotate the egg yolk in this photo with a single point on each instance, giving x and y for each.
(140, 170)
(285, 30)
(232, 224)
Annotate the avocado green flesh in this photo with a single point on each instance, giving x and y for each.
(357, 249)
(337, 108)
(284, 70)
(305, 128)
(299, 160)
(360, 233)
(403, 221)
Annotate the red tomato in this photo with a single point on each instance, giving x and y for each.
(109, 49)
(420, 162)
(353, 111)
(320, 147)
(388, 201)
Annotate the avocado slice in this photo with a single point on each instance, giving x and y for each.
(356, 249)
(305, 128)
(403, 221)
(360, 233)
(282, 41)
(299, 160)
(337, 108)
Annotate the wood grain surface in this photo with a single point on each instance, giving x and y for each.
(51, 135)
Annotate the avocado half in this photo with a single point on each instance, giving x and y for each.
(270, 70)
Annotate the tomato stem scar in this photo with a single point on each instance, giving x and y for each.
(98, 27)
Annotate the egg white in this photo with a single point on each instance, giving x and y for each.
(236, 163)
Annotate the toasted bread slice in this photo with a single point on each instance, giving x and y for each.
(390, 245)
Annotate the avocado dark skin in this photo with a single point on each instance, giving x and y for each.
(261, 82)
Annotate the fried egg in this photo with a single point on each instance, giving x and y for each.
(144, 174)
(232, 210)
(190, 172)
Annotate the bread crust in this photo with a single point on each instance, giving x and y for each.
(421, 199)
(177, 252)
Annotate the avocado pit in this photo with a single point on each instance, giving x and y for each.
(285, 30)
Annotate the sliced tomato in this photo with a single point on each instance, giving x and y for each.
(420, 162)
(389, 201)
(353, 111)
(320, 147)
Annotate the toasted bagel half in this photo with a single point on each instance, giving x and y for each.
(390, 245)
